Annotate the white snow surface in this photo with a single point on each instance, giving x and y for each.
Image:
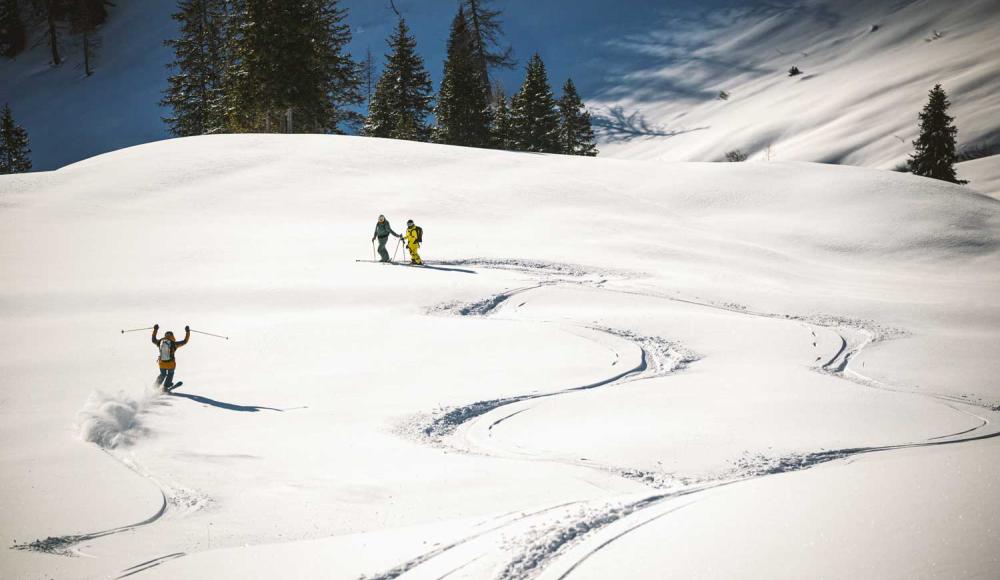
(609, 368)
(867, 67)
(982, 174)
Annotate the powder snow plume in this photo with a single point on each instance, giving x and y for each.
(112, 419)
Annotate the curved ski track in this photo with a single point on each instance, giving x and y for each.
(535, 555)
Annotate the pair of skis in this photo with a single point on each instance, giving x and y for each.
(171, 388)
(390, 262)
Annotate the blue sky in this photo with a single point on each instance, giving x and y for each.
(570, 35)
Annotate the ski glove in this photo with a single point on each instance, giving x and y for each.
(187, 329)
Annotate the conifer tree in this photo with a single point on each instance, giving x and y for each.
(486, 30)
(13, 37)
(195, 91)
(403, 94)
(288, 62)
(14, 148)
(501, 130)
(576, 135)
(534, 118)
(935, 147)
(462, 111)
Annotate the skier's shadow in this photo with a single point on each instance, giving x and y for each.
(227, 406)
(443, 269)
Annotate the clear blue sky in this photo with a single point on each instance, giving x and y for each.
(570, 35)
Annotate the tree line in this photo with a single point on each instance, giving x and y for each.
(275, 66)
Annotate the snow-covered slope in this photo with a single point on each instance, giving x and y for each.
(867, 67)
(610, 368)
(982, 174)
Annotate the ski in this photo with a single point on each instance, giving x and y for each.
(172, 387)
(390, 263)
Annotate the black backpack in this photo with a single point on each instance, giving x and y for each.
(420, 234)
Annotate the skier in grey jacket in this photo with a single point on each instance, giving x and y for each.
(382, 231)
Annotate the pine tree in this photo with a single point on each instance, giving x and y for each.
(288, 69)
(195, 92)
(462, 111)
(403, 94)
(534, 118)
(486, 30)
(14, 149)
(576, 134)
(501, 130)
(935, 147)
(13, 38)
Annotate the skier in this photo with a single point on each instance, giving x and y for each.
(414, 236)
(168, 346)
(382, 231)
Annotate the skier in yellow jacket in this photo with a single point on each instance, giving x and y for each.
(167, 346)
(414, 235)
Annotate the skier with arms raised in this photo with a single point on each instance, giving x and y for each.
(167, 346)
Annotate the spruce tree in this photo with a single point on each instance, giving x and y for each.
(486, 30)
(195, 92)
(288, 62)
(12, 34)
(462, 111)
(501, 130)
(403, 94)
(576, 134)
(935, 147)
(14, 149)
(534, 118)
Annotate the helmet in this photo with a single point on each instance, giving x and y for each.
(381, 218)
(169, 335)
(409, 222)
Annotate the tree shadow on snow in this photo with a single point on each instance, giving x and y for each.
(617, 126)
(227, 406)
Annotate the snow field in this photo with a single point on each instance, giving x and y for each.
(620, 340)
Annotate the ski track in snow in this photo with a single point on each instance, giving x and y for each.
(113, 422)
(529, 552)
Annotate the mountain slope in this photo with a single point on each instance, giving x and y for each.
(597, 344)
(867, 68)
(654, 91)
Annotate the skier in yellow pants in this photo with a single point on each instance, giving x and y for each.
(414, 235)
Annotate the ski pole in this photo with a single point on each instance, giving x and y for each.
(394, 252)
(373, 249)
(210, 334)
(137, 329)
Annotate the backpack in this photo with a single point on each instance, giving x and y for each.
(420, 234)
(166, 350)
